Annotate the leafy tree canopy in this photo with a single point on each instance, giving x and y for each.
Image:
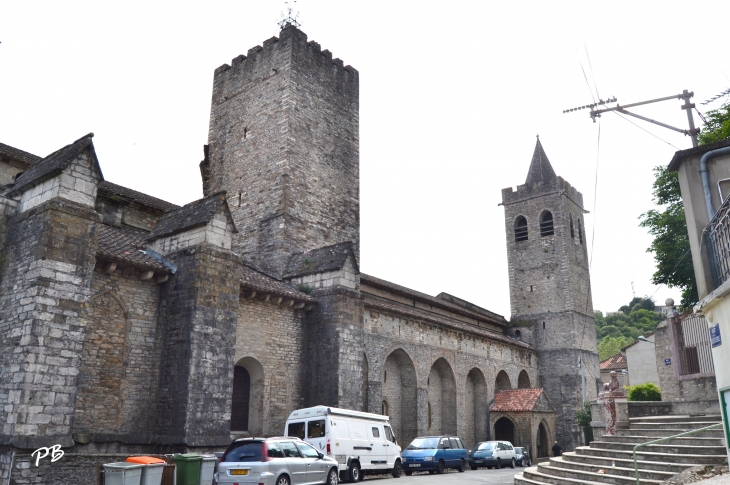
(637, 303)
(610, 346)
(671, 242)
(717, 127)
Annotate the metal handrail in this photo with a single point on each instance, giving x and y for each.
(686, 433)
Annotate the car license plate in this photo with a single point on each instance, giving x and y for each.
(413, 465)
(478, 461)
(239, 472)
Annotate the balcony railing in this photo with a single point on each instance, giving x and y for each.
(717, 238)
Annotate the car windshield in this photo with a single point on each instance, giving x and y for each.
(243, 451)
(424, 444)
(487, 446)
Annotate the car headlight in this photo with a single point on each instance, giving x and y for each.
(428, 458)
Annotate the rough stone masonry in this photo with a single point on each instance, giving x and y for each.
(131, 325)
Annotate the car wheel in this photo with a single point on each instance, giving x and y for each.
(441, 468)
(332, 478)
(462, 466)
(512, 465)
(282, 480)
(355, 473)
(473, 467)
(397, 469)
(499, 464)
(408, 474)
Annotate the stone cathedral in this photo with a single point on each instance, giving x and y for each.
(132, 325)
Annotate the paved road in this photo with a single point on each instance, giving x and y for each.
(503, 476)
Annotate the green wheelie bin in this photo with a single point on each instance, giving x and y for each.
(188, 468)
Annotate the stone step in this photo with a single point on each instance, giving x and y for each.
(623, 471)
(520, 479)
(533, 475)
(664, 432)
(678, 425)
(643, 454)
(604, 462)
(683, 449)
(676, 418)
(686, 440)
(588, 475)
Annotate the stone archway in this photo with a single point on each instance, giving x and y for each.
(399, 394)
(442, 398)
(542, 441)
(523, 381)
(505, 430)
(104, 363)
(247, 407)
(502, 382)
(475, 407)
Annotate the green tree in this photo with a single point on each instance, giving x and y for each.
(671, 242)
(717, 127)
(645, 392)
(636, 302)
(610, 346)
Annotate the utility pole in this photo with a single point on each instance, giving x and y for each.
(684, 95)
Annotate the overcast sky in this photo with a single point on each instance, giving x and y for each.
(452, 95)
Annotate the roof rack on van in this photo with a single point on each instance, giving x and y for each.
(325, 410)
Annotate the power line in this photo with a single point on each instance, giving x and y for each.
(592, 75)
(652, 134)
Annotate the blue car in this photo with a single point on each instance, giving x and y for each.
(434, 454)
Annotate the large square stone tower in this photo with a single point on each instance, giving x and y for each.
(283, 143)
(550, 287)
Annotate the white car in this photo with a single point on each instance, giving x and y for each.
(492, 454)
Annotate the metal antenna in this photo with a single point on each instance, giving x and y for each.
(632, 289)
(716, 97)
(287, 18)
(685, 95)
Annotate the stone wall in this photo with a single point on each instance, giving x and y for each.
(270, 335)
(119, 373)
(216, 233)
(683, 388)
(283, 143)
(411, 352)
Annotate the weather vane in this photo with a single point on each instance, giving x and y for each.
(289, 17)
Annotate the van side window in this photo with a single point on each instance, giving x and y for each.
(445, 444)
(376, 433)
(389, 434)
(315, 429)
(295, 429)
(461, 442)
(454, 443)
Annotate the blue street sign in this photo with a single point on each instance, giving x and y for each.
(715, 335)
(667, 361)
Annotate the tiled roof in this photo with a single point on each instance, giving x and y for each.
(617, 362)
(516, 400)
(53, 164)
(189, 216)
(16, 154)
(254, 279)
(329, 258)
(109, 188)
(123, 245)
(426, 316)
(479, 314)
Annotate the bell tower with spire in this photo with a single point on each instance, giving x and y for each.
(550, 289)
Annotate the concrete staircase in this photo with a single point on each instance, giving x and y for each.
(656, 462)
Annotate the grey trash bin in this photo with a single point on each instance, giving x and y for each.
(207, 469)
(122, 473)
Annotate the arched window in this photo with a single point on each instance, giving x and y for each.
(580, 233)
(518, 335)
(520, 229)
(384, 408)
(572, 233)
(546, 224)
(241, 399)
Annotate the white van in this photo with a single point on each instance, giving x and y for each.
(360, 442)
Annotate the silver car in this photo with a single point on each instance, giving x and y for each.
(275, 461)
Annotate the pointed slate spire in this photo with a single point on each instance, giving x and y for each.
(540, 168)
